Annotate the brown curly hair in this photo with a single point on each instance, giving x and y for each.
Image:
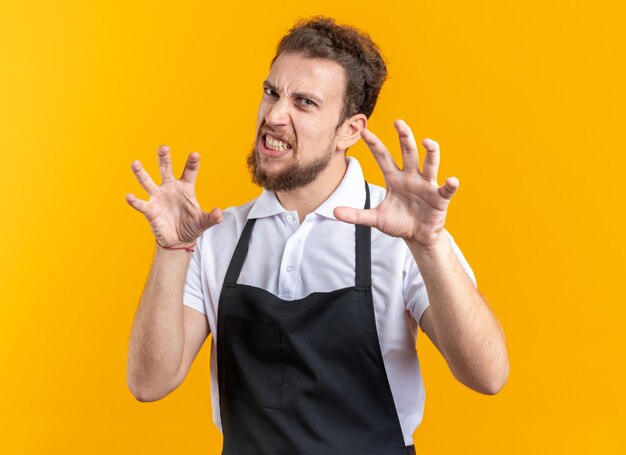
(353, 49)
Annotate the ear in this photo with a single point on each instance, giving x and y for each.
(350, 131)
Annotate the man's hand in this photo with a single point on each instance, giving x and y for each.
(415, 206)
(173, 210)
(458, 319)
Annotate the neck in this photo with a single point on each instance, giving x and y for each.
(307, 198)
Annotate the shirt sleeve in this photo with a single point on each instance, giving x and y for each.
(415, 295)
(194, 295)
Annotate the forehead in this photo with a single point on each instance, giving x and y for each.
(293, 72)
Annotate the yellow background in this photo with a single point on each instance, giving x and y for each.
(527, 100)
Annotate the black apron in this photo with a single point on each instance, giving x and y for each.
(306, 376)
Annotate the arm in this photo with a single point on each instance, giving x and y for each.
(458, 320)
(166, 335)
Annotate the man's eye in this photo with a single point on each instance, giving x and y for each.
(269, 91)
(306, 102)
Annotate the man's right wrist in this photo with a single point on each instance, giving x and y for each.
(182, 247)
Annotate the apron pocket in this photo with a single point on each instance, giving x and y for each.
(253, 362)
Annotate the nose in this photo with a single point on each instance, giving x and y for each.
(278, 114)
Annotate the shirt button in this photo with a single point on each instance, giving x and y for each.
(289, 218)
(289, 268)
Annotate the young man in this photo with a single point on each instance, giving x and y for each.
(313, 297)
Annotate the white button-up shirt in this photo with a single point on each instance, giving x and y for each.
(292, 260)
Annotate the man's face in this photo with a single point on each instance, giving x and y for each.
(297, 122)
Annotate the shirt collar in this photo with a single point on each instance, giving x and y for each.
(349, 193)
(267, 204)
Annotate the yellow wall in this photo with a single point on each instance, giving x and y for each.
(526, 98)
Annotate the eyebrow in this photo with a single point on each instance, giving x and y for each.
(306, 95)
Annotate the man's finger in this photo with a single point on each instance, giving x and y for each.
(351, 215)
(431, 161)
(137, 204)
(448, 189)
(191, 168)
(410, 159)
(212, 218)
(165, 163)
(380, 152)
(143, 177)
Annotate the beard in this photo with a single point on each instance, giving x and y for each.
(295, 175)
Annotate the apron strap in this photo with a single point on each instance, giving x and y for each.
(363, 240)
(239, 256)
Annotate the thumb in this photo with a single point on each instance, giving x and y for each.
(366, 217)
(210, 219)
(448, 189)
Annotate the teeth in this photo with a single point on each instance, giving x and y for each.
(275, 144)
